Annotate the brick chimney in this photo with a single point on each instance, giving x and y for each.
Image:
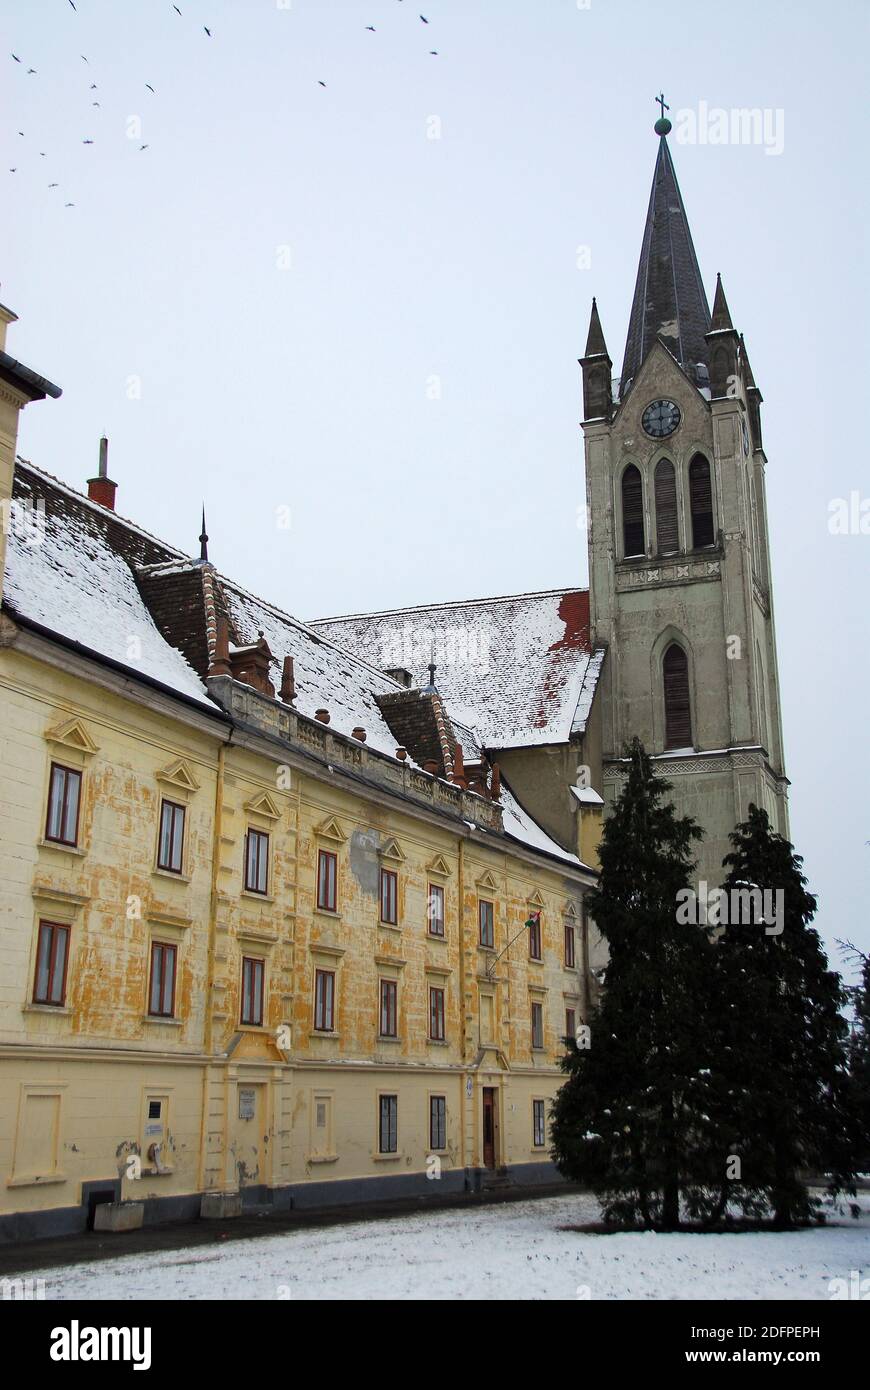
(101, 489)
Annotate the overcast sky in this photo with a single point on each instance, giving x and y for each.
(295, 297)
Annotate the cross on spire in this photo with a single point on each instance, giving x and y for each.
(663, 104)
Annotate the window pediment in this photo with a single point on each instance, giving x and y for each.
(330, 829)
(262, 804)
(392, 850)
(179, 775)
(439, 868)
(72, 734)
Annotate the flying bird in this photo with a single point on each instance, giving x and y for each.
(142, 147)
(21, 132)
(177, 10)
(320, 84)
(433, 52)
(93, 87)
(69, 205)
(15, 56)
(83, 58)
(71, 2)
(54, 185)
(150, 88)
(95, 103)
(370, 28)
(424, 19)
(13, 171)
(30, 70)
(87, 142)
(207, 30)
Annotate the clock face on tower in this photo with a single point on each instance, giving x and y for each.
(661, 418)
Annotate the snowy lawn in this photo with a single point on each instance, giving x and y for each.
(499, 1252)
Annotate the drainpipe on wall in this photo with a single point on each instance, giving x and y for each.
(208, 1043)
(463, 1127)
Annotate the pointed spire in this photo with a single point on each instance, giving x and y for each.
(721, 313)
(203, 541)
(596, 367)
(595, 344)
(753, 397)
(747, 370)
(669, 299)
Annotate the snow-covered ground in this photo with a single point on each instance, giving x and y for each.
(511, 1251)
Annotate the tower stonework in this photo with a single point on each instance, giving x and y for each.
(679, 566)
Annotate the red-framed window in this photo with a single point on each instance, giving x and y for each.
(435, 910)
(535, 936)
(389, 897)
(253, 981)
(486, 923)
(539, 1124)
(52, 958)
(327, 880)
(570, 1023)
(324, 1001)
(64, 802)
(537, 1025)
(570, 956)
(170, 850)
(161, 984)
(257, 862)
(437, 1122)
(389, 1009)
(436, 1013)
(388, 1124)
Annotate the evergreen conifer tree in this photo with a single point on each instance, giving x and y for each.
(782, 1098)
(632, 1119)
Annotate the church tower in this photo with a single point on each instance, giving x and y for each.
(679, 568)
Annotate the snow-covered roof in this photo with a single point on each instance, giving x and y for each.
(326, 677)
(67, 575)
(517, 669)
(587, 796)
(87, 575)
(518, 824)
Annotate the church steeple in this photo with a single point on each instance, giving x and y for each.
(669, 299)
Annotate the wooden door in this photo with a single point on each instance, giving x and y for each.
(490, 1126)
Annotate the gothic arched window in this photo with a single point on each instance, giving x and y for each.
(632, 512)
(666, 507)
(678, 713)
(701, 502)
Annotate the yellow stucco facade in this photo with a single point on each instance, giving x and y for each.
(276, 1109)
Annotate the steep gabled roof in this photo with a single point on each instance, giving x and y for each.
(86, 576)
(74, 577)
(669, 297)
(517, 669)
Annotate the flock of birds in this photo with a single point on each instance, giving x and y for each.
(94, 87)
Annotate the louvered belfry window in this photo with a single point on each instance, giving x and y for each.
(701, 502)
(666, 508)
(678, 713)
(632, 512)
